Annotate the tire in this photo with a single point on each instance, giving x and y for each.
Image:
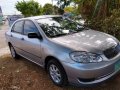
(57, 73)
(13, 52)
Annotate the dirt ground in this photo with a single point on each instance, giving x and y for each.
(3, 29)
(24, 75)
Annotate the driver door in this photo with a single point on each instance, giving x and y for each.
(31, 46)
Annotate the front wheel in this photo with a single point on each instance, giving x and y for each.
(57, 73)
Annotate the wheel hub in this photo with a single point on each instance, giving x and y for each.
(55, 73)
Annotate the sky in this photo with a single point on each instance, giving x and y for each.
(8, 6)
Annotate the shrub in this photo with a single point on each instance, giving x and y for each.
(110, 25)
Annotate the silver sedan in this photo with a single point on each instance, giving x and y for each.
(70, 52)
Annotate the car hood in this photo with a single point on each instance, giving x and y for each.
(87, 40)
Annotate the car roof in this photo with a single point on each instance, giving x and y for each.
(38, 17)
(42, 16)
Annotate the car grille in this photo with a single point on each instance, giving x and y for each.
(112, 52)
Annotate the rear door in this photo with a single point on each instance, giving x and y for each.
(31, 46)
(17, 35)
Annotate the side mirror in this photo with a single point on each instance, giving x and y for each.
(34, 35)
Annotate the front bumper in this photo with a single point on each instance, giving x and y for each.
(92, 73)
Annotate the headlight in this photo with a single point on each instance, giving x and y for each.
(85, 57)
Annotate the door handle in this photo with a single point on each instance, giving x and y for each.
(22, 38)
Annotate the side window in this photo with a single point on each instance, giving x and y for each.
(18, 27)
(29, 26)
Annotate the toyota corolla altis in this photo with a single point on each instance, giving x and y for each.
(70, 52)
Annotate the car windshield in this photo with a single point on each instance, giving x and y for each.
(59, 26)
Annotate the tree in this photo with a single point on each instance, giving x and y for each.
(48, 9)
(29, 8)
(76, 2)
(69, 9)
(103, 15)
(57, 10)
(63, 3)
(97, 8)
(87, 8)
(105, 7)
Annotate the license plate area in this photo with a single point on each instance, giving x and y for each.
(117, 66)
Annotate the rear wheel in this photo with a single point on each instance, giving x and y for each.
(57, 73)
(13, 52)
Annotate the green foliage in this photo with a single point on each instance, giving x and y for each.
(86, 8)
(63, 3)
(48, 9)
(56, 9)
(72, 10)
(99, 9)
(105, 7)
(29, 8)
(76, 1)
(103, 15)
(69, 9)
(109, 25)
